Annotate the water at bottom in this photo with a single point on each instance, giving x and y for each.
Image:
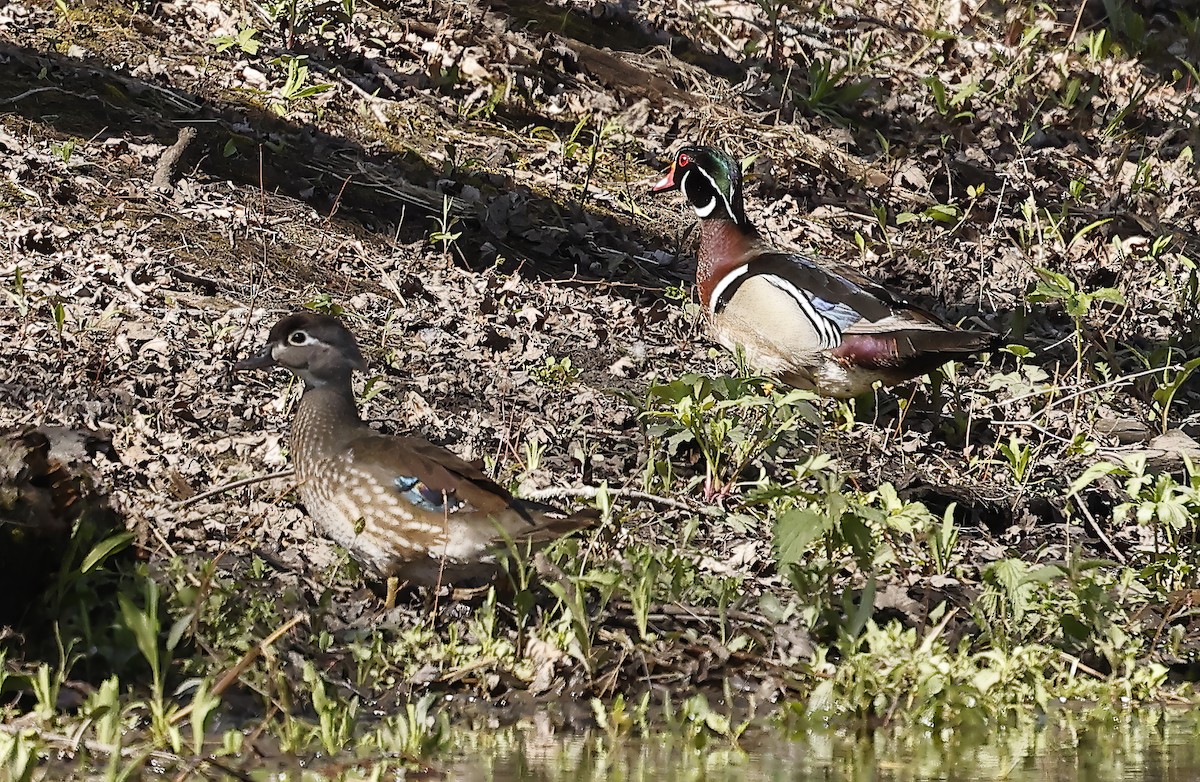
(1158, 745)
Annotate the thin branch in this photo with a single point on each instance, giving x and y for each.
(1051, 435)
(591, 492)
(169, 160)
(38, 90)
(1078, 19)
(237, 670)
(1083, 508)
(1090, 389)
(373, 101)
(230, 487)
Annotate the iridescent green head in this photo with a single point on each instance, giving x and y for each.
(710, 179)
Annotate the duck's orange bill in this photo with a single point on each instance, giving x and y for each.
(667, 182)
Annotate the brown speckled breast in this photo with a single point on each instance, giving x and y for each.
(359, 513)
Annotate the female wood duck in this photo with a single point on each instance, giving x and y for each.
(403, 507)
(835, 332)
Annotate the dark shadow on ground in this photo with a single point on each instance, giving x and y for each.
(375, 190)
(615, 26)
(1160, 33)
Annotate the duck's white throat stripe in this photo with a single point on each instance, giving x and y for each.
(706, 210)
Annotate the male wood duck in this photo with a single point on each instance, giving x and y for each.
(836, 332)
(404, 508)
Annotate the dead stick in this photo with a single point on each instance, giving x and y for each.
(591, 492)
(250, 656)
(1091, 389)
(170, 158)
(1076, 663)
(37, 90)
(231, 486)
(1078, 19)
(1082, 505)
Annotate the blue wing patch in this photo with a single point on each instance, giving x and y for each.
(843, 315)
(425, 497)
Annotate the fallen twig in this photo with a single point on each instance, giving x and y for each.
(237, 670)
(591, 492)
(1080, 665)
(170, 157)
(1089, 390)
(230, 487)
(38, 90)
(372, 101)
(1079, 503)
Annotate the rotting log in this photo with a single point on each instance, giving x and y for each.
(50, 509)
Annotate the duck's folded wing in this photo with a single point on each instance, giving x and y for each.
(831, 295)
(878, 329)
(430, 477)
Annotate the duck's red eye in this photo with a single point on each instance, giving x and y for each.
(683, 160)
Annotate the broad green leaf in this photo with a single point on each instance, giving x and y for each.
(1092, 474)
(795, 531)
(1006, 573)
(857, 533)
(1110, 295)
(1043, 575)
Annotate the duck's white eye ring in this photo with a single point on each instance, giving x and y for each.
(300, 338)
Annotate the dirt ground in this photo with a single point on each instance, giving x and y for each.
(530, 132)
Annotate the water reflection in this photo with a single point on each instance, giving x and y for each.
(1159, 745)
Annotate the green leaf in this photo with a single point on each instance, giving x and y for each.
(1051, 287)
(964, 93)
(795, 531)
(1043, 575)
(1074, 628)
(144, 626)
(1078, 306)
(1092, 474)
(179, 628)
(1087, 229)
(1020, 351)
(245, 40)
(857, 533)
(1006, 573)
(943, 213)
(821, 699)
(856, 622)
(1173, 513)
(104, 549)
(1109, 294)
